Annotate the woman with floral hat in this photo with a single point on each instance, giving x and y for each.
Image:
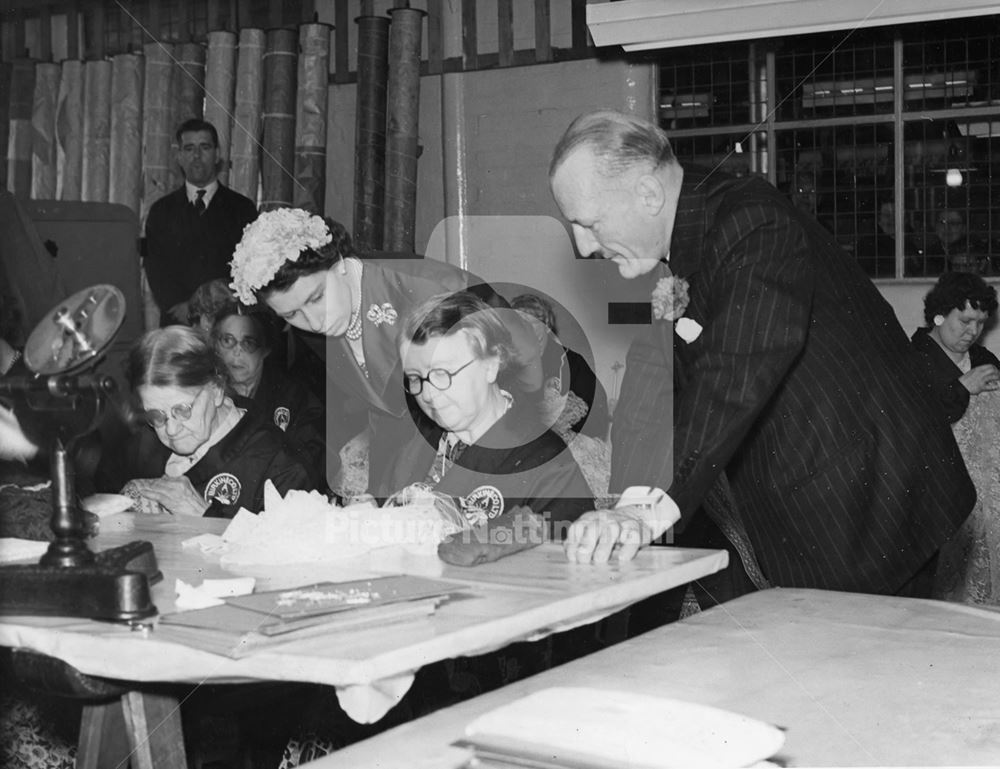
(347, 308)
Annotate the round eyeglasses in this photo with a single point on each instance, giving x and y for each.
(180, 412)
(249, 344)
(439, 378)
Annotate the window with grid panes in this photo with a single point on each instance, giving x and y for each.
(885, 135)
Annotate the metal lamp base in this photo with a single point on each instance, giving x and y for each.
(114, 586)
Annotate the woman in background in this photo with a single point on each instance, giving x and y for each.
(956, 367)
(199, 453)
(567, 373)
(244, 340)
(964, 376)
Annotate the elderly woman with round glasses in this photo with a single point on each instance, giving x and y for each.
(200, 453)
(244, 340)
(475, 441)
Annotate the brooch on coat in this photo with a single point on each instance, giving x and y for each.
(385, 313)
(670, 300)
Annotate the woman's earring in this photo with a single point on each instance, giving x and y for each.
(939, 320)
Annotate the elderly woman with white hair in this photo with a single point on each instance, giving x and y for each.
(197, 453)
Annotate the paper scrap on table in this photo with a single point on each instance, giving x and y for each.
(13, 549)
(207, 543)
(211, 592)
(103, 505)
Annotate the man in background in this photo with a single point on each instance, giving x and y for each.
(191, 233)
(952, 247)
(787, 423)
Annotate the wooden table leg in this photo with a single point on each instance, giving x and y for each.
(141, 730)
(103, 741)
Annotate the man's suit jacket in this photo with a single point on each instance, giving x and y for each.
(802, 386)
(185, 249)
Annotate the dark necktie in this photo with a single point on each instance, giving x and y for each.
(199, 203)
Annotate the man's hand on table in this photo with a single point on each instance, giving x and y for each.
(594, 537)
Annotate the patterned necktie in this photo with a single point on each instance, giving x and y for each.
(199, 203)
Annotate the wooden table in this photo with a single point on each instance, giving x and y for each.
(526, 596)
(857, 680)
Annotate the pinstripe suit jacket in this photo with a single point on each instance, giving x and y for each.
(802, 386)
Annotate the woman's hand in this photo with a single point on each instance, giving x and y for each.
(176, 495)
(981, 379)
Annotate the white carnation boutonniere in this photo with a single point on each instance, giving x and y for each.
(385, 313)
(670, 300)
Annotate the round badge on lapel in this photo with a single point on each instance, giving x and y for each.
(282, 416)
(224, 487)
(486, 499)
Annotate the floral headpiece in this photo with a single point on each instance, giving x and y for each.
(273, 238)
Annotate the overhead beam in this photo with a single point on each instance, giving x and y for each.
(639, 25)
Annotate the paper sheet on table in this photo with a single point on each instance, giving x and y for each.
(13, 550)
(211, 592)
(599, 728)
(103, 505)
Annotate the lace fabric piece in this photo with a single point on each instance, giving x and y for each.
(969, 564)
(593, 455)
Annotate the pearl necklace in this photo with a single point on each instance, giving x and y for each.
(354, 327)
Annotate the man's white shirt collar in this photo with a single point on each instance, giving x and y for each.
(210, 188)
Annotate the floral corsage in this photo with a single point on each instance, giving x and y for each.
(670, 300)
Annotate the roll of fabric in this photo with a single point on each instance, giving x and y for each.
(43, 131)
(6, 74)
(309, 192)
(220, 84)
(278, 154)
(125, 181)
(159, 174)
(96, 131)
(189, 82)
(69, 131)
(22, 95)
(244, 154)
(369, 166)
(403, 106)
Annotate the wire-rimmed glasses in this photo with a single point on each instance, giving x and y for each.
(439, 378)
(180, 412)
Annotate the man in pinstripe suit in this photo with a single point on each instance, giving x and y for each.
(790, 417)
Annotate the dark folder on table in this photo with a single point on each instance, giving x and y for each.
(246, 623)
